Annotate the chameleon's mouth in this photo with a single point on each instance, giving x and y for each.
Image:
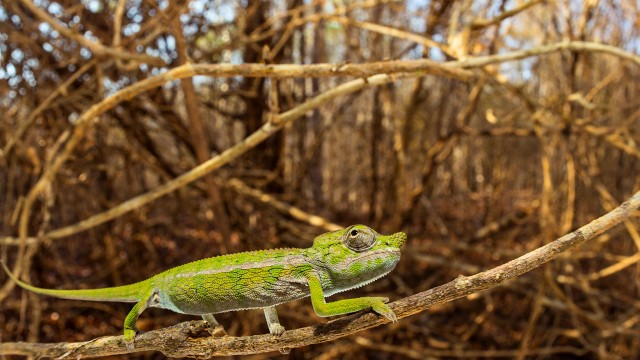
(372, 269)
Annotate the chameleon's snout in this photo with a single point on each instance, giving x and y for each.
(397, 240)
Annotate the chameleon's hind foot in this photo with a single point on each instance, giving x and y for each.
(130, 328)
(129, 339)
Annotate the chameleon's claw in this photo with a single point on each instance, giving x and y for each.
(390, 315)
(276, 330)
(131, 346)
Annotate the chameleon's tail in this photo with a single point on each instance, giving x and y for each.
(126, 293)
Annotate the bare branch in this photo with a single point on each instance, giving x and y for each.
(293, 211)
(483, 23)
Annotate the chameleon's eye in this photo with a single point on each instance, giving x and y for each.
(360, 239)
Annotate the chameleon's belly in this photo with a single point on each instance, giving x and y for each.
(210, 293)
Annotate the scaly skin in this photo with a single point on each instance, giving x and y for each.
(337, 261)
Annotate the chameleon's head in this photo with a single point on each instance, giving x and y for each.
(357, 255)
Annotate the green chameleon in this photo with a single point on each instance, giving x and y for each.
(337, 261)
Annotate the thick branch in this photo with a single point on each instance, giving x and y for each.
(180, 340)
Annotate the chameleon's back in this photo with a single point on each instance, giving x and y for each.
(247, 280)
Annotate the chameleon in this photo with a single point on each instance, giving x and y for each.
(337, 261)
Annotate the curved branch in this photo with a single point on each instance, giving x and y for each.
(269, 200)
(182, 339)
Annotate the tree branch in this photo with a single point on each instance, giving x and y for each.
(184, 339)
(483, 23)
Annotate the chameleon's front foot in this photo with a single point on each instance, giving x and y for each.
(323, 308)
(378, 305)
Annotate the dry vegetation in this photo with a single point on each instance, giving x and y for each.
(416, 117)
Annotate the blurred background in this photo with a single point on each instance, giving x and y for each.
(477, 170)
